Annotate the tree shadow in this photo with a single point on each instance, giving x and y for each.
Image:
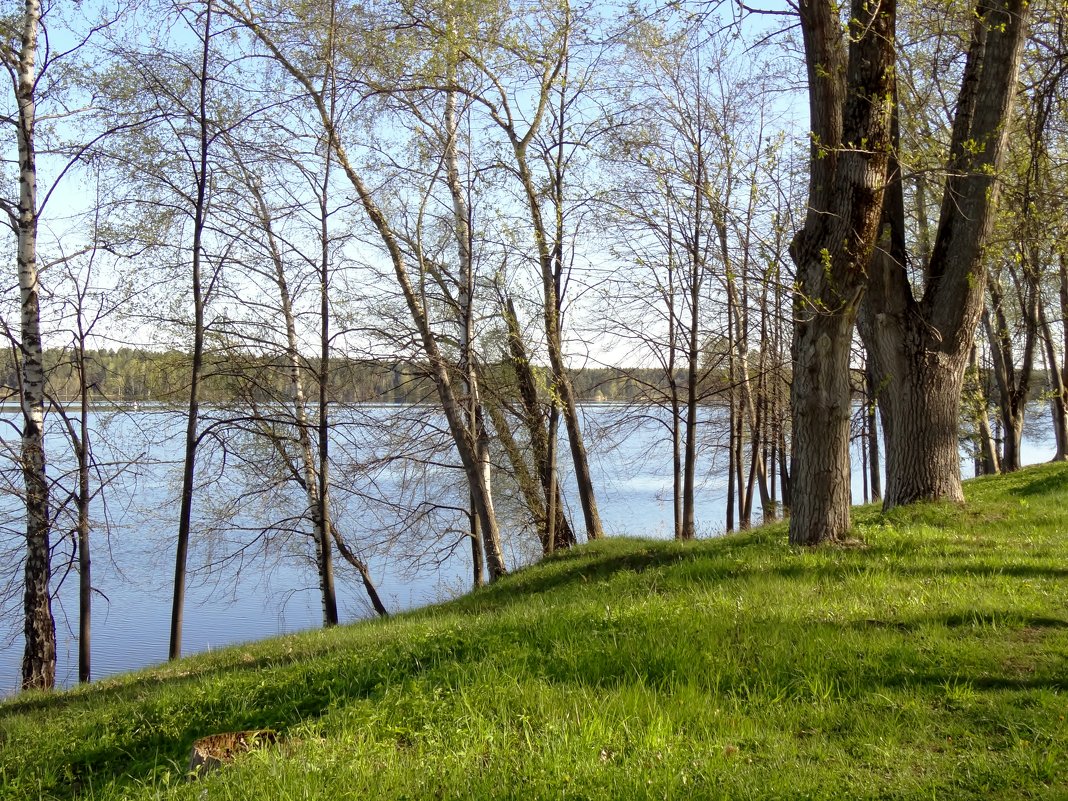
(1050, 483)
(711, 559)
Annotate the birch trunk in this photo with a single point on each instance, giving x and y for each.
(39, 657)
(461, 215)
(313, 491)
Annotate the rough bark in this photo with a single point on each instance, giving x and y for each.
(850, 103)
(920, 347)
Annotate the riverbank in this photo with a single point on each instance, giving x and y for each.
(927, 662)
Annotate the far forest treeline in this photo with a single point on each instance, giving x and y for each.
(134, 375)
(128, 375)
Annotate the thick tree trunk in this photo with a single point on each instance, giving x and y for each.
(850, 102)
(820, 396)
(928, 340)
(920, 414)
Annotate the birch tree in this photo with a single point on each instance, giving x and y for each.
(39, 657)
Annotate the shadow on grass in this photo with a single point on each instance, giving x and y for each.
(712, 559)
(1043, 484)
(999, 619)
(156, 717)
(152, 721)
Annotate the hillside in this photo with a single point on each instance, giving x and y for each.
(929, 660)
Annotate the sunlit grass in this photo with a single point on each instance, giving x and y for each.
(930, 662)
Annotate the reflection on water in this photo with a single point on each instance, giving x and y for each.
(263, 581)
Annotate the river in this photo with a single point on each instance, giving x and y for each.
(253, 576)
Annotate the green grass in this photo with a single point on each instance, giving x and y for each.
(932, 662)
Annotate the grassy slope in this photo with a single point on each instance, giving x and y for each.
(929, 664)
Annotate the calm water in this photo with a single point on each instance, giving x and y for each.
(254, 577)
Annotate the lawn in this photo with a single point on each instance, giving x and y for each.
(928, 660)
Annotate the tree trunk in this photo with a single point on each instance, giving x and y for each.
(921, 418)
(849, 102)
(1058, 390)
(1014, 385)
(874, 467)
(550, 261)
(974, 395)
(542, 443)
(314, 489)
(466, 447)
(820, 397)
(361, 567)
(919, 348)
(39, 657)
(185, 512)
(85, 576)
(461, 217)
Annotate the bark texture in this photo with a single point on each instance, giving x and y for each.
(919, 348)
(850, 102)
(39, 656)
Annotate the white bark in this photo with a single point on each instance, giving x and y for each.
(39, 659)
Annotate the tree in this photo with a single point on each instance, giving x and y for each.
(919, 345)
(198, 163)
(538, 46)
(851, 90)
(39, 658)
(691, 161)
(392, 240)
